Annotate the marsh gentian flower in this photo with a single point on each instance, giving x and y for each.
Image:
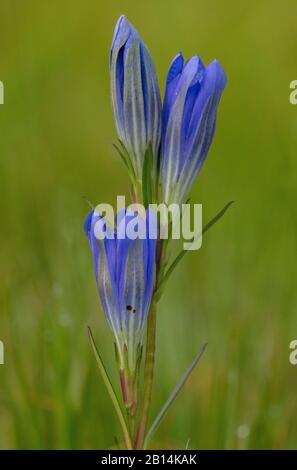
(124, 271)
(135, 95)
(192, 96)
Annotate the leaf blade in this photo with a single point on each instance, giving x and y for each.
(173, 395)
(111, 391)
(125, 157)
(217, 217)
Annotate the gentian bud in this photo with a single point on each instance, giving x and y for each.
(124, 271)
(192, 96)
(135, 95)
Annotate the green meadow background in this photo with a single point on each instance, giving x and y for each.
(239, 292)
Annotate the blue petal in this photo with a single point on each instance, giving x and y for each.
(121, 36)
(89, 227)
(171, 154)
(202, 126)
(87, 223)
(213, 84)
(135, 129)
(173, 75)
(121, 33)
(138, 285)
(152, 101)
(188, 110)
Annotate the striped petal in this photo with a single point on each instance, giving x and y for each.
(135, 95)
(189, 116)
(124, 270)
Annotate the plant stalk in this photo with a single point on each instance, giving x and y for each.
(148, 376)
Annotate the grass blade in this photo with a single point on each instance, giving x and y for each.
(172, 396)
(216, 217)
(87, 201)
(111, 391)
(126, 160)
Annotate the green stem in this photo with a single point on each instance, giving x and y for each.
(129, 393)
(148, 376)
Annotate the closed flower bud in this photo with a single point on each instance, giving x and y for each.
(124, 271)
(192, 96)
(135, 95)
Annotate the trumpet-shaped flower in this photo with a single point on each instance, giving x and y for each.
(135, 95)
(124, 271)
(192, 96)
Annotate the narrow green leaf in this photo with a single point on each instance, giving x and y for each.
(123, 147)
(147, 187)
(90, 204)
(216, 217)
(111, 391)
(122, 155)
(172, 396)
(180, 256)
(125, 157)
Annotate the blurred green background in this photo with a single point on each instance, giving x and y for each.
(238, 292)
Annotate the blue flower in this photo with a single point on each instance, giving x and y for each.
(192, 96)
(135, 95)
(124, 271)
